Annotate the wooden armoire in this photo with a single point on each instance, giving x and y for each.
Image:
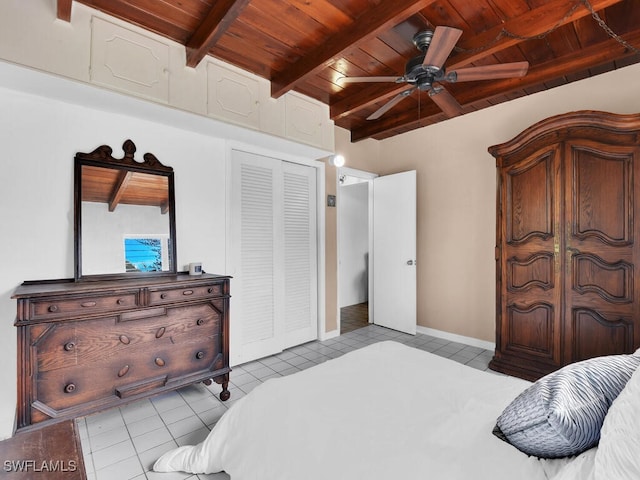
(568, 242)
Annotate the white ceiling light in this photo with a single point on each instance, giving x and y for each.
(336, 160)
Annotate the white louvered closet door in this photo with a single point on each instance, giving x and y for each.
(273, 256)
(300, 254)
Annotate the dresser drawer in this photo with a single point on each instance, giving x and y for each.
(79, 362)
(132, 372)
(171, 295)
(94, 343)
(54, 308)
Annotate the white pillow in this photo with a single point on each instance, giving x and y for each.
(618, 455)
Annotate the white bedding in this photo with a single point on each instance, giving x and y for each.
(384, 411)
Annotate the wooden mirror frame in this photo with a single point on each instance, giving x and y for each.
(102, 157)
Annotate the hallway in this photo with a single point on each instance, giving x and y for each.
(354, 317)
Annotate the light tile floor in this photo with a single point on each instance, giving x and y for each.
(123, 443)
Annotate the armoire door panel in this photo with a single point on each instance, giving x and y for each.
(595, 335)
(602, 193)
(528, 199)
(531, 330)
(533, 271)
(612, 282)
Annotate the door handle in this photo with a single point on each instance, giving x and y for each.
(412, 262)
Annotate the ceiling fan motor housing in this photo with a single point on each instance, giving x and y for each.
(422, 75)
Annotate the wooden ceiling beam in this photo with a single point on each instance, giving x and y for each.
(63, 10)
(535, 22)
(591, 57)
(384, 16)
(218, 20)
(120, 187)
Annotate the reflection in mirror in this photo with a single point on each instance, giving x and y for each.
(124, 215)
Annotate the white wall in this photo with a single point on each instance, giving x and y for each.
(40, 134)
(353, 231)
(457, 192)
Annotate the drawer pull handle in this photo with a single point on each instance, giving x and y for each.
(120, 301)
(200, 321)
(188, 292)
(163, 295)
(69, 346)
(89, 304)
(53, 308)
(160, 332)
(210, 289)
(124, 339)
(69, 388)
(123, 371)
(200, 355)
(159, 362)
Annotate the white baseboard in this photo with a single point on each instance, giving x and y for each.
(452, 337)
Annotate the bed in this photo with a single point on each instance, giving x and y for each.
(389, 411)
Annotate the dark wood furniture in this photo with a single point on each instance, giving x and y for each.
(49, 453)
(88, 346)
(568, 242)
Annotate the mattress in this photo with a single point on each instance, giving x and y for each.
(384, 411)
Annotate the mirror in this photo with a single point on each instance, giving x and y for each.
(124, 215)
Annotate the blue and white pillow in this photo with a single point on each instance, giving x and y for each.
(562, 413)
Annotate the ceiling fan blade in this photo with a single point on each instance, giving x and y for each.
(442, 43)
(445, 101)
(489, 72)
(370, 79)
(390, 104)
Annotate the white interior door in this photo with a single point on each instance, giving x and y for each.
(273, 256)
(394, 251)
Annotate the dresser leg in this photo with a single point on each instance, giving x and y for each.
(224, 381)
(225, 394)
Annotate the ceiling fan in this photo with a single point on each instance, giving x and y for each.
(426, 71)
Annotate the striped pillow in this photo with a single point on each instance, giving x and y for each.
(562, 413)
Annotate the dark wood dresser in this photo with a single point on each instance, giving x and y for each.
(88, 346)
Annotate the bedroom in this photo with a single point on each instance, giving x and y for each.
(457, 195)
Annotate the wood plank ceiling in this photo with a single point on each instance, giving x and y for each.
(309, 45)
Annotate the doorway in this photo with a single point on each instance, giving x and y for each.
(354, 245)
(381, 212)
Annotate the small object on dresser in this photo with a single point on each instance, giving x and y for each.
(195, 268)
